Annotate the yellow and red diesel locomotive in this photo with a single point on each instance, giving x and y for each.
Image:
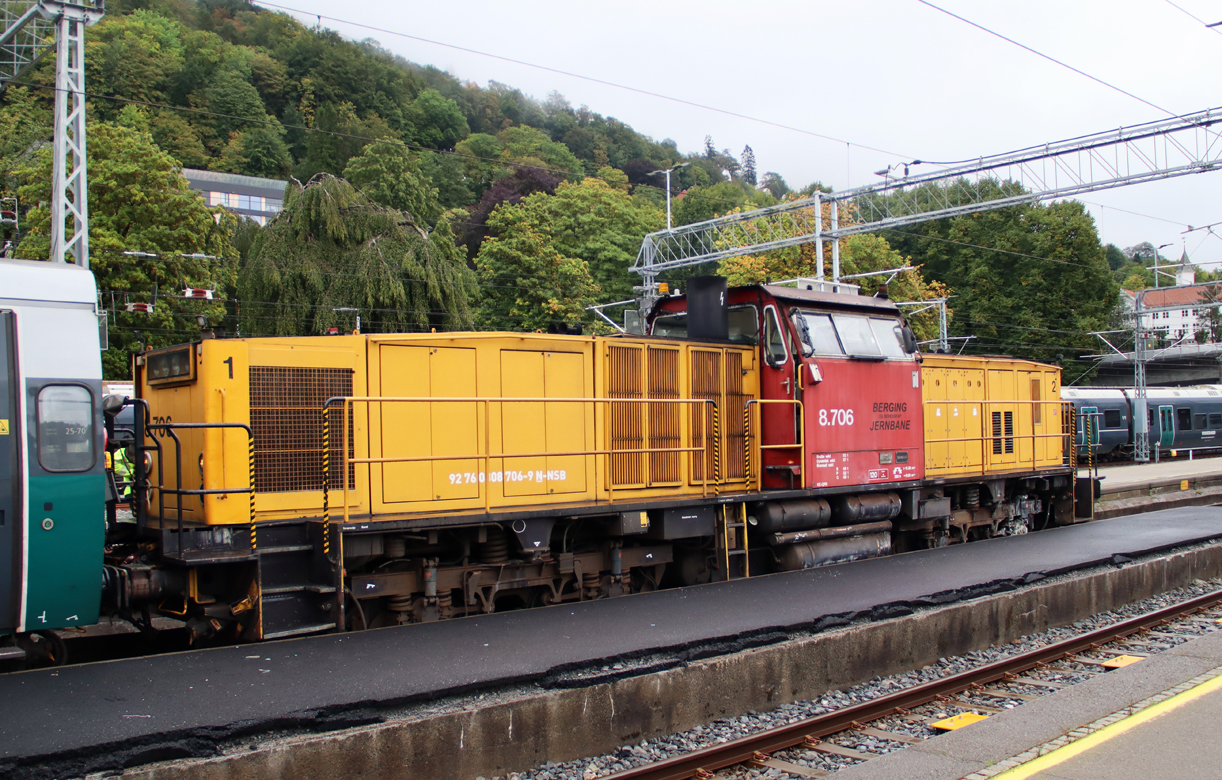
(297, 485)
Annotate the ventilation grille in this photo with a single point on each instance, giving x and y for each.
(733, 423)
(627, 428)
(706, 385)
(286, 417)
(1003, 426)
(664, 418)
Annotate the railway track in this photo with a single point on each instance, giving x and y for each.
(1132, 638)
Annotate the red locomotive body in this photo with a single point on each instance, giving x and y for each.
(840, 384)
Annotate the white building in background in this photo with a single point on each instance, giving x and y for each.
(250, 196)
(1181, 316)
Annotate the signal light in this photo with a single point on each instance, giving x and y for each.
(140, 308)
(663, 288)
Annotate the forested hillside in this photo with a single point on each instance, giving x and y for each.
(415, 197)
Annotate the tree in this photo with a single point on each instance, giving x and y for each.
(776, 186)
(1031, 281)
(436, 120)
(701, 203)
(528, 284)
(232, 99)
(509, 189)
(1211, 319)
(594, 222)
(748, 165)
(389, 174)
(331, 247)
(256, 151)
(138, 201)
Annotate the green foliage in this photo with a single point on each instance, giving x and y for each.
(256, 151)
(1039, 297)
(331, 247)
(591, 221)
(138, 201)
(702, 203)
(389, 174)
(527, 145)
(436, 121)
(528, 284)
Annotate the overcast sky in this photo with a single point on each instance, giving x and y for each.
(895, 75)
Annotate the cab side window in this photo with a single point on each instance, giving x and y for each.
(65, 428)
(774, 339)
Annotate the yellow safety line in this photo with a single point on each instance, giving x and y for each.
(1076, 748)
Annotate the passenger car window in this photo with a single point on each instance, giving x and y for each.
(65, 428)
(1111, 418)
(1215, 420)
(1183, 419)
(1198, 420)
(889, 337)
(855, 335)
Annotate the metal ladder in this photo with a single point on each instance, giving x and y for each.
(733, 548)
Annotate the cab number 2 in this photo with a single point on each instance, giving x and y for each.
(835, 416)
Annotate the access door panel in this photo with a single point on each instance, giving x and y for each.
(445, 430)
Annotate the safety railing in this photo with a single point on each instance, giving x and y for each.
(799, 434)
(171, 429)
(990, 440)
(488, 457)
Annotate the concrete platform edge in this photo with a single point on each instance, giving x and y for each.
(561, 725)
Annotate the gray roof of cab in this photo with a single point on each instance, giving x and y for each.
(830, 299)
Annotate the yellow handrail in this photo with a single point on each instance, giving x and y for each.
(799, 444)
(487, 456)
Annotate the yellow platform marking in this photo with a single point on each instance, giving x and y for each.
(957, 721)
(1183, 484)
(1065, 753)
(1120, 661)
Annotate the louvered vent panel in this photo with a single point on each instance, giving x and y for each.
(627, 421)
(735, 466)
(664, 418)
(706, 384)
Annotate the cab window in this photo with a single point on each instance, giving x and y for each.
(774, 338)
(65, 428)
(889, 337)
(823, 334)
(855, 335)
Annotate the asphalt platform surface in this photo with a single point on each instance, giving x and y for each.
(65, 721)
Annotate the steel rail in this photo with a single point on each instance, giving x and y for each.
(742, 750)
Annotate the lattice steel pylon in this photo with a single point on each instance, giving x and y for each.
(1129, 155)
(30, 30)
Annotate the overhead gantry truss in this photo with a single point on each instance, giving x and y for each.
(1128, 155)
(31, 30)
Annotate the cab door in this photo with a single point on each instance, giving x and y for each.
(779, 421)
(10, 478)
(1166, 426)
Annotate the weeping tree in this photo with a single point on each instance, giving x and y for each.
(332, 250)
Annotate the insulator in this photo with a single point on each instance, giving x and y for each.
(496, 549)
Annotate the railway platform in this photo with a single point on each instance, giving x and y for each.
(1157, 718)
(137, 710)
